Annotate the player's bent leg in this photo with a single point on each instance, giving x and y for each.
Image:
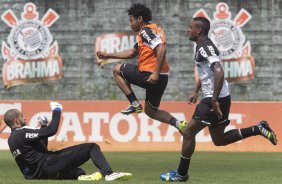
(71, 174)
(155, 113)
(125, 75)
(116, 69)
(72, 157)
(121, 82)
(66, 159)
(221, 138)
(163, 116)
(189, 134)
(188, 147)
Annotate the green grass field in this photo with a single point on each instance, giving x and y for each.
(206, 168)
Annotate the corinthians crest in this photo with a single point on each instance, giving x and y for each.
(31, 54)
(227, 35)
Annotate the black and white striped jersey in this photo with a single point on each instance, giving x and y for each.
(206, 54)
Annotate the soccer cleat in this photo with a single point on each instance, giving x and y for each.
(173, 176)
(182, 125)
(266, 131)
(92, 177)
(132, 109)
(118, 176)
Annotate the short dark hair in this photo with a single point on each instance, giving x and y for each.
(10, 115)
(205, 24)
(137, 10)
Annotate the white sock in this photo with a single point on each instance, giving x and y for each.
(177, 124)
(135, 103)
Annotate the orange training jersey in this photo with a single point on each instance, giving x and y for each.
(148, 39)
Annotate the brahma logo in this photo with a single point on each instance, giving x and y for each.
(112, 43)
(227, 35)
(31, 55)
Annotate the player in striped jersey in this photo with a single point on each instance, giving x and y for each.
(213, 109)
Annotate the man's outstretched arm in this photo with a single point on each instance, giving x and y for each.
(55, 121)
(126, 54)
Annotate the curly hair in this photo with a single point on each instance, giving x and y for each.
(137, 10)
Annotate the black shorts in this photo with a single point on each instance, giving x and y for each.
(204, 114)
(154, 92)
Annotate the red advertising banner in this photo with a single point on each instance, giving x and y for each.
(102, 122)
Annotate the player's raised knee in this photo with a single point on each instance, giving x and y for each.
(149, 111)
(219, 143)
(116, 69)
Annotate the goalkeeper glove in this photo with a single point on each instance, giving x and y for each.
(56, 106)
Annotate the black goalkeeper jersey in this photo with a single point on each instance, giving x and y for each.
(28, 146)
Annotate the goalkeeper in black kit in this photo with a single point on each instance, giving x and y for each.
(28, 146)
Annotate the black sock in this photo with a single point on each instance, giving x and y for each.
(172, 121)
(183, 166)
(250, 131)
(99, 160)
(131, 97)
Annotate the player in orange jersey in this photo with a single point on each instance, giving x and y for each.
(151, 72)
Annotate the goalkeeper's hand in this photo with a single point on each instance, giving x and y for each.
(55, 106)
(42, 120)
